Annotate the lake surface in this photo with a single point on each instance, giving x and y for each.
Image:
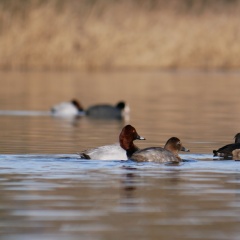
(47, 192)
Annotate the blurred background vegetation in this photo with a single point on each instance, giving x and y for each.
(126, 34)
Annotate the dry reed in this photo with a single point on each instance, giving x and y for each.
(108, 34)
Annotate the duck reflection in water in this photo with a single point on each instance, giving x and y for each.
(134, 188)
(129, 185)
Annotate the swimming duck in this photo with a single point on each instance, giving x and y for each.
(226, 151)
(100, 111)
(115, 151)
(119, 111)
(106, 152)
(161, 155)
(67, 109)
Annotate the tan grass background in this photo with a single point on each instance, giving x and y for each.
(111, 34)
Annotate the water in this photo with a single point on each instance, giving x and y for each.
(47, 192)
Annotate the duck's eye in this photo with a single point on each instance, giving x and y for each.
(179, 143)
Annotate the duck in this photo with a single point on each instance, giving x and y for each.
(67, 109)
(167, 154)
(115, 151)
(106, 152)
(106, 111)
(99, 111)
(227, 150)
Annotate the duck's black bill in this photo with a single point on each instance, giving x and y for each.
(185, 149)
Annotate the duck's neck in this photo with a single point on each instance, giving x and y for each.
(77, 105)
(172, 150)
(129, 147)
(131, 151)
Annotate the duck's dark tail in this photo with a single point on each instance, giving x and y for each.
(215, 153)
(84, 156)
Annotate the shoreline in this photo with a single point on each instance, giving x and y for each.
(111, 36)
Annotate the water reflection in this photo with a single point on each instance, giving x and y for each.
(47, 192)
(59, 193)
(129, 186)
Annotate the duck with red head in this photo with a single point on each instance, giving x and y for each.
(120, 111)
(126, 138)
(117, 151)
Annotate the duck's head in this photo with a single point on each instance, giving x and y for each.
(175, 145)
(77, 104)
(127, 136)
(237, 138)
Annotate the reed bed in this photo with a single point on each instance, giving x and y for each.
(110, 34)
